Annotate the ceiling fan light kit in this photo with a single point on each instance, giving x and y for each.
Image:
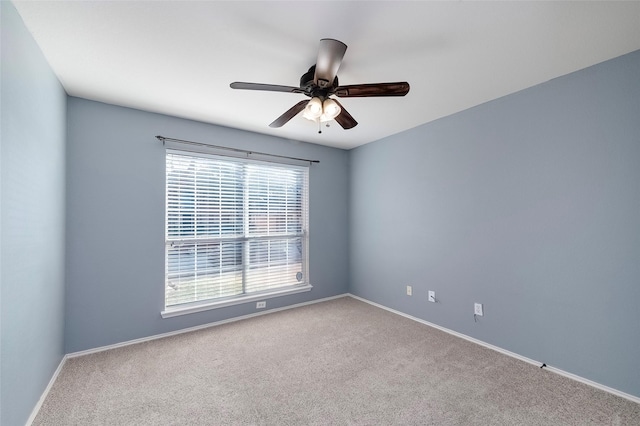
(317, 109)
(321, 82)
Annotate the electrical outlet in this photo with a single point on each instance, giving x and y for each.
(261, 305)
(477, 309)
(409, 290)
(432, 296)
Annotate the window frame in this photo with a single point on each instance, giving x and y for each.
(221, 302)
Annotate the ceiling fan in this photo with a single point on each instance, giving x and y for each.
(320, 83)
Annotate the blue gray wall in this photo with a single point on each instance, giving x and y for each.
(32, 165)
(529, 204)
(115, 221)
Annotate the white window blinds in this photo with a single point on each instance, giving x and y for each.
(233, 227)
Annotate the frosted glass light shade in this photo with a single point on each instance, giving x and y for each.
(330, 110)
(313, 110)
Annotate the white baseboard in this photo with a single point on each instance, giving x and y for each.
(199, 327)
(506, 352)
(593, 384)
(38, 405)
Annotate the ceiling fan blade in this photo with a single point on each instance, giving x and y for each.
(345, 119)
(267, 87)
(330, 57)
(376, 89)
(289, 114)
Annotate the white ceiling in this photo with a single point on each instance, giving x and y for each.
(178, 57)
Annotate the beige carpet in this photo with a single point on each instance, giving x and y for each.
(341, 362)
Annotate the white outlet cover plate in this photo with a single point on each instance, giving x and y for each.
(432, 296)
(477, 309)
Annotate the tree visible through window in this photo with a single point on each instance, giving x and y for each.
(233, 227)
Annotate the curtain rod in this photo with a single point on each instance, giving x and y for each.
(163, 139)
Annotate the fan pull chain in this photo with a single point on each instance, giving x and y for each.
(319, 127)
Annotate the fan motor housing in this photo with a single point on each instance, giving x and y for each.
(311, 89)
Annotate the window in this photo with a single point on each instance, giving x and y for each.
(235, 228)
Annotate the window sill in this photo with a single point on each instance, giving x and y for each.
(206, 306)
